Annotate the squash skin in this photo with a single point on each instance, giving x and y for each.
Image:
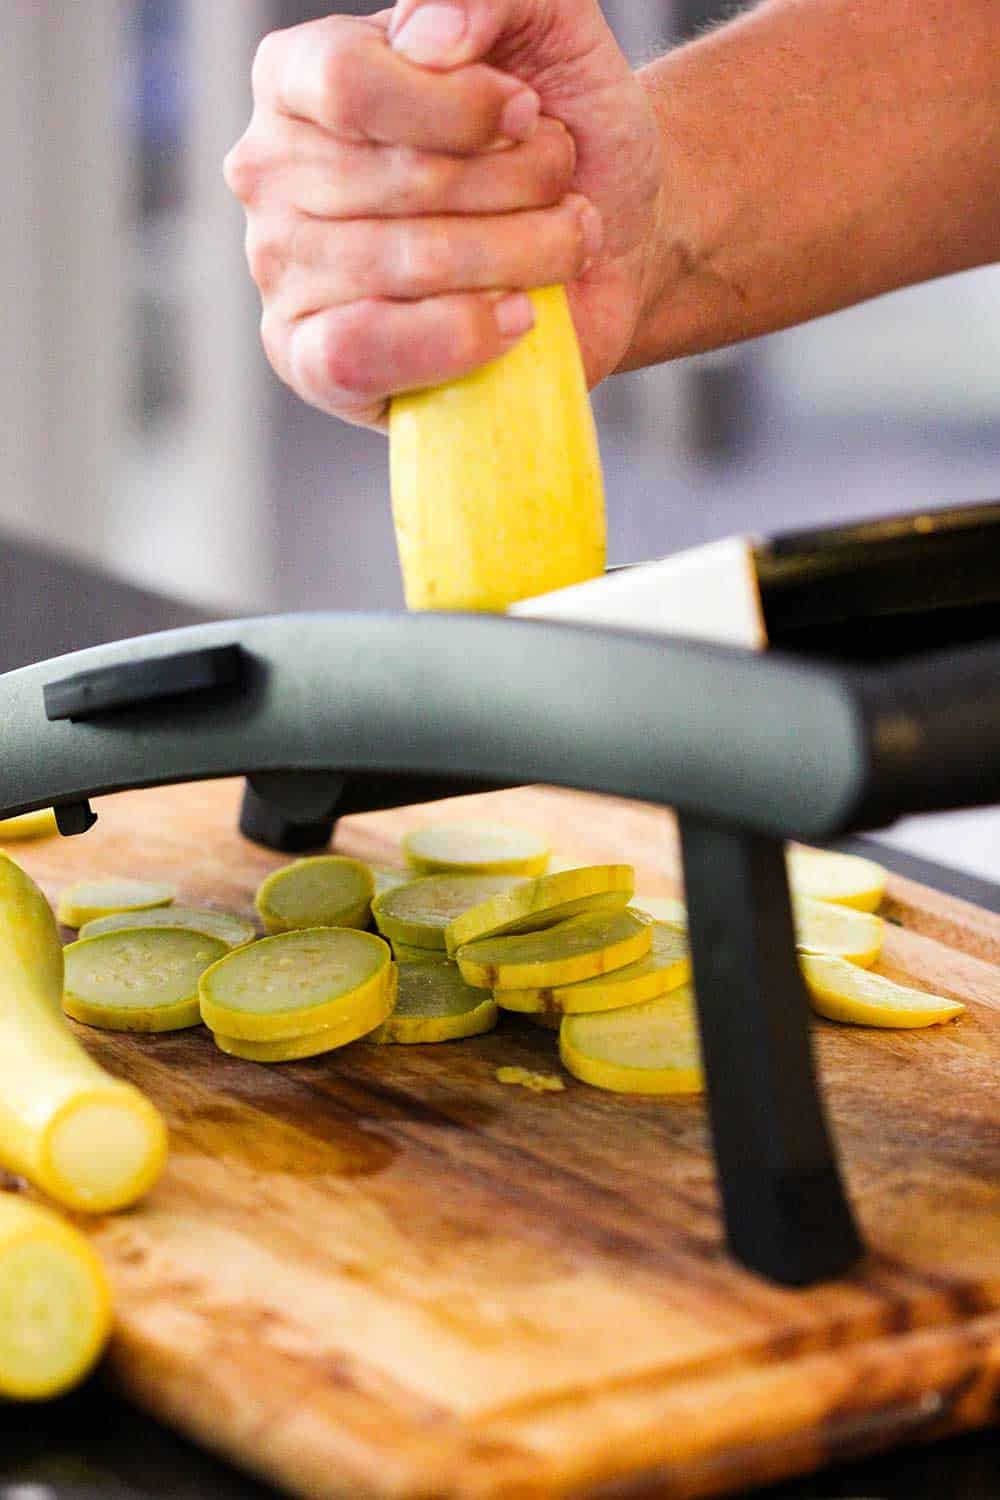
(497, 492)
(48, 1080)
(45, 1262)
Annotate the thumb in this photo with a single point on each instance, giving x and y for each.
(449, 33)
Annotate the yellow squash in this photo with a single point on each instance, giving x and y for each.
(138, 978)
(496, 477)
(417, 914)
(371, 1010)
(842, 991)
(592, 943)
(844, 879)
(652, 1048)
(822, 927)
(88, 900)
(296, 983)
(476, 849)
(325, 890)
(665, 967)
(88, 1140)
(34, 825)
(528, 905)
(55, 1305)
(434, 1004)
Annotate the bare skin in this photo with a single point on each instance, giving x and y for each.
(403, 186)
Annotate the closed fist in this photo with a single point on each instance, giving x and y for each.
(407, 176)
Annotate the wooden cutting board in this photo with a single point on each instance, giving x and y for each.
(382, 1273)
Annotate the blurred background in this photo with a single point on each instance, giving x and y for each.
(143, 430)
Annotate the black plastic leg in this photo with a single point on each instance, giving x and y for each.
(298, 810)
(74, 817)
(787, 1215)
(290, 810)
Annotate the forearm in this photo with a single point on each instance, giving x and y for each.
(816, 153)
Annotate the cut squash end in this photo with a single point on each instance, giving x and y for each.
(104, 1150)
(55, 1305)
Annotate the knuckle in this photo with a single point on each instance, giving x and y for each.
(265, 61)
(342, 85)
(423, 261)
(421, 179)
(574, 248)
(468, 342)
(558, 164)
(267, 257)
(345, 365)
(242, 170)
(274, 339)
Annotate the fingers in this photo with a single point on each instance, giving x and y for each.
(349, 360)
(387, 200)
(448, 33)
(299, 167)
(301, 264)
(342, 75)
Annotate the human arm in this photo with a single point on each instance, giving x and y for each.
(806, 156)
(817, 153)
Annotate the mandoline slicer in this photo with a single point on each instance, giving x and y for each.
(879, 696)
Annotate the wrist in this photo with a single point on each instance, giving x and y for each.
(661, 270)
(687, 302)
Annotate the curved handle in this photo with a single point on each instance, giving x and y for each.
(934, 726)
(772, 743)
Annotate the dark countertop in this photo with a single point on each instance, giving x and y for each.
(51, 604)
(93, 1445)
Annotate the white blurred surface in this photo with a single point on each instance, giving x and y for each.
(968, 841)
(64, 337)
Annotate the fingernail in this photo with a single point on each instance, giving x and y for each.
(520, 116)
(591, 227)
(431, 33)
(514, 315)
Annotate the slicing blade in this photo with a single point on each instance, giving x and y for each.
(708, 593)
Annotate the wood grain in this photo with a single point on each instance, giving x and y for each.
(381, 1273)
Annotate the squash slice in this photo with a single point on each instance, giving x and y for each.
(228, 928)
(418, 913)
(845, 879)
(363, 1020)
(841, 991)
(298, 982)
(578, 948)
(138, 978)
(436, 1005)
(476, 849)
(665, 967)
(643, 1049)
(89, 899)
(533, 904)
(326, 890)
(821, 927)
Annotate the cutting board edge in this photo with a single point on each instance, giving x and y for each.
(916, 1386)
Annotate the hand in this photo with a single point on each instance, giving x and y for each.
(406, 175)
